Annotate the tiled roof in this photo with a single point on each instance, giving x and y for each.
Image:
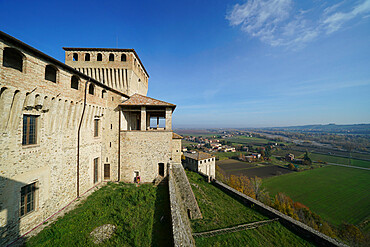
(141, 100)
(176, 136)
(198, 156)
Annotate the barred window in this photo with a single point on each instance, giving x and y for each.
(96, 163)
(28, 198)
(29, 130)
(96, 127)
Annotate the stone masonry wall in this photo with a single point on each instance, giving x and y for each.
(127, 76)
(142, 151)
(176, 150)
(51, 162)
(294, 225)
(182, 234)
(187, 195)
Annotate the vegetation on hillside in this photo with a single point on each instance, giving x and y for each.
(140, 214)
(219, 210)
(253, 188)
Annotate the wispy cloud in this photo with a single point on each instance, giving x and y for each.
(280, 23)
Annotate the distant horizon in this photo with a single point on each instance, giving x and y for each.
(285, 126)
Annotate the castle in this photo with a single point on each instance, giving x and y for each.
(66, 127)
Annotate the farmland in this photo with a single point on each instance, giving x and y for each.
(340, 160)
(215, 207)
(338, 194)
(262, 170)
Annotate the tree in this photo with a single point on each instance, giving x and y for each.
(306, 159)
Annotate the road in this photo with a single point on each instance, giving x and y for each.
(357, 167)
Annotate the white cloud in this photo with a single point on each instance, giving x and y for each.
(280, 23)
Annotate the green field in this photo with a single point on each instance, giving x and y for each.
(135, 211)
(247, 140)
(227, 155)
(220, 210)
(337, 194)
(339, 160)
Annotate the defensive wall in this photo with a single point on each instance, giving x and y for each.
(181, 229)
(299, 228)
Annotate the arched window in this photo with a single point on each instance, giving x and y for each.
(123, 58)
(103, 93)
(75, 57)
(91, 89)
(50, 73)
(100, 57)
(13, 58)
(74, 82)
(111, 57)
(87, 57)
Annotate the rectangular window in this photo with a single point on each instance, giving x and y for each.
(106, 171)
(96, 160)
(96, 127)
(28, 199)
(29, 130)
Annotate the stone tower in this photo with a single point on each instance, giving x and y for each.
(120, 69)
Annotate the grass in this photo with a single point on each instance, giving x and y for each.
(339, 160)
(226, 155)
(135, 211)
(247, 140)
(220, 210)
(273, 234)
(337, 194)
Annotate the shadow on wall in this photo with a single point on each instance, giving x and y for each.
(11, 208)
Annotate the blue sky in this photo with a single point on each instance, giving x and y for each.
(223, 63)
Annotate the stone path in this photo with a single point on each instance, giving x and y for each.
(233, 229)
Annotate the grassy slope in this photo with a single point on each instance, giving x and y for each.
(339, 160)
(338, 194)
(220, 210)
(134, 210)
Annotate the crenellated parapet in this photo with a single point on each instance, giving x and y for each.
(120, 69)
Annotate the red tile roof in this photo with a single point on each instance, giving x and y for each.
(176, 136)
(141, 100)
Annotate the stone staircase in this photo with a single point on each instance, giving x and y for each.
(159, 180)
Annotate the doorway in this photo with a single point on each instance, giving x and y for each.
(161, 169)
(106, 171)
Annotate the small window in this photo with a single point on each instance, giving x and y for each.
(96, 127)
(96, 169)
(103, 93)
(74, 82)
(99, 57)
(27, 199)
(123, 58)
(29, 130)
(75, 57)
(87, 57)
(111, 57)
(13, 58)
(91, 89)
(111, 126)
(50, 73)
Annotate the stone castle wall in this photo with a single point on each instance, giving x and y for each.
(51, 162)
(142, 151)
(182, 233)
(127, 76)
